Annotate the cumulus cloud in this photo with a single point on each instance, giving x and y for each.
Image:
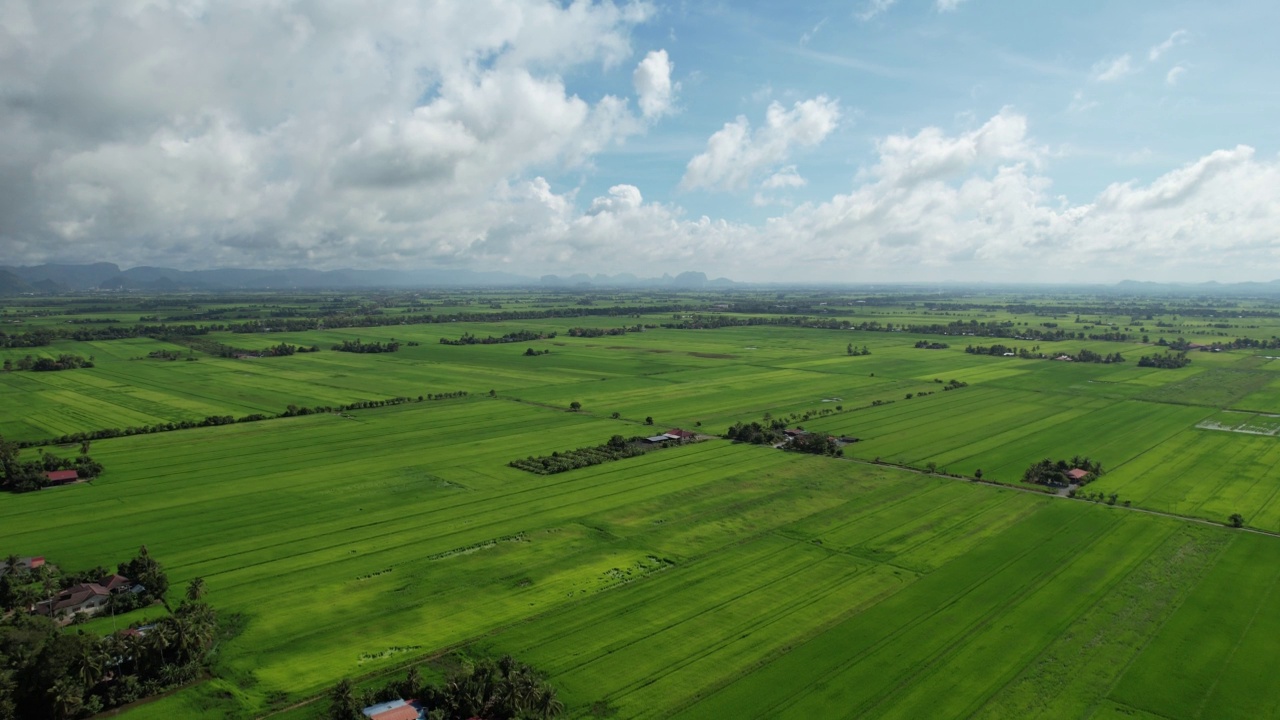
(335, 134)
(1177, 38)
(422, 134)
(1112, 70)
(654, 89)
(736, 155)
(1174, 75)
(974, 202)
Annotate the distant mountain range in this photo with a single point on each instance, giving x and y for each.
(103, 276)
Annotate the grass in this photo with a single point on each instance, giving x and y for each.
(713, 580)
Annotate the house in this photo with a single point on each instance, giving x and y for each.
(795, 432)
(85, 598)
(1076, 474)
(116, 583)
(678, 434)
(82, 599)
(62, 477)
(396, 710)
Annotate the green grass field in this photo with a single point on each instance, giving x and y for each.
(710, 580)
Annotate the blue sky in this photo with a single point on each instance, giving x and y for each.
(869, 140)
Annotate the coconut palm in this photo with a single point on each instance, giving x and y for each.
(195, 589)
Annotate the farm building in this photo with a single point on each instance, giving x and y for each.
(658, 439)
(24, 563)
(1076, 474)
(795, 433)
(395, 710)
(62, 477)
(678, 434)
(85, 598)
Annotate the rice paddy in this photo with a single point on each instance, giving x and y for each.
(708, 580)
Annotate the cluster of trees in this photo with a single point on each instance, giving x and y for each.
(167, 355)
(48, 673)
(926, 345)
(856, 353)
(25, 476)
(756, 433)
(999, 349)
(65, 361)
(587, 332)
(217, 349)
(355, 346)
(1167, 361)
(1084, 355)
(1054, 472)
(815, 444)
(530, 352)
(518, 336)
(502, 689)
(1090, 356)
(617, 448)
(774, 433)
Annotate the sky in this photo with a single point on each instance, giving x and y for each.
(768, 141)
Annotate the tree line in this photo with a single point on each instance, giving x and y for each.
(356, 346)
(517, 336)
(65, 361)
(1084, 355)
(487, 689)
(44, 336)
(1166, 361)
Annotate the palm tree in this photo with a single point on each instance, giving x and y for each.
(342, 701)
(92, 663)
(195, 589)
(66, 699)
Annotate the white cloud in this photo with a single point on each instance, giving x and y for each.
(736, 155)
(340, 135)
(652, 79)
(935, 204)
(805, 38)
(1174, 75)
(1177, 38)
(948, 5)
(874, 8)
(1112, 70)
(1080, 103)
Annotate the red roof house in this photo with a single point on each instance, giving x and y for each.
(1077, 474)
(62, 477)
(680, 434)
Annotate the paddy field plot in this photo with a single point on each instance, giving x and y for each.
(710, 580)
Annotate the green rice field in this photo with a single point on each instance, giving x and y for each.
(709, 580)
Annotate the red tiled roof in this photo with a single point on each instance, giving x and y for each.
(404, 712)
(114, 581)
(62, 475)
(1077, 474)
